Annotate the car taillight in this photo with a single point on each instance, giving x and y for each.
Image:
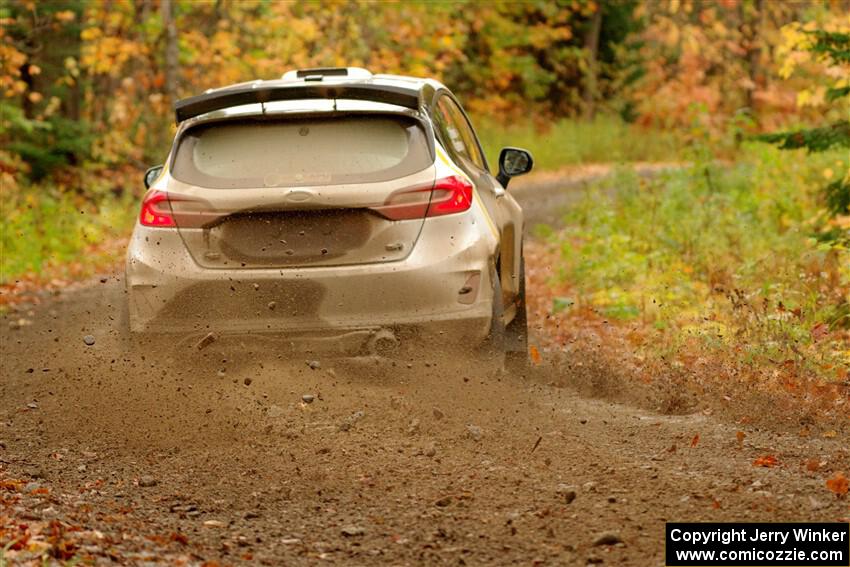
(448, 196)
(156, 210)
(451, 195)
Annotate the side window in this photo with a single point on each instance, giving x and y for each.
(456, 131)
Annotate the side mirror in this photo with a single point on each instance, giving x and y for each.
(513, 162)
(152, 174)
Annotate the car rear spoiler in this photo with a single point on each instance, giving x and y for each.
(252, 94)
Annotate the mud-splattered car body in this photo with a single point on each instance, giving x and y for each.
(331, 205)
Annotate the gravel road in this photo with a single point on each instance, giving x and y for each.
(431, 460)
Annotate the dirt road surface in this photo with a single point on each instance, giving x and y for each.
(431, 460)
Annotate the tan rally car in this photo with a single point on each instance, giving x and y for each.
(335, 206)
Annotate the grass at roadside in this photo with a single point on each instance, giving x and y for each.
(711, 261)
(50, 235)
(606, 139)
(45, 231)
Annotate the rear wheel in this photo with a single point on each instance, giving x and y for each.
(495, 345)
(140, 347)
(509, 342)
(516, 332)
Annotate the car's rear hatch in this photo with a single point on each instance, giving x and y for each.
(326, 189)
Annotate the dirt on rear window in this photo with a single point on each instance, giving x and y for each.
(303, 151)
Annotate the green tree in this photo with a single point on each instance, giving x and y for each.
(835, 48)
(41, 111)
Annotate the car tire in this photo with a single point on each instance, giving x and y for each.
(495, 344)
(139, 347)
(127, 343)
(508, 344)
(516, 332)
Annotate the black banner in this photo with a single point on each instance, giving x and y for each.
(758, 544)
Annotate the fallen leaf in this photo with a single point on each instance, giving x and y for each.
(766, 461)
(64, 549)
(812, 465)
(820, 332)
(695, 440)
(740, 436)
(21, 541)
(535, 355)
(11, 484)
(838, 484)
(830, 434)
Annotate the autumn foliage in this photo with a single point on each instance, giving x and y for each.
(88, 86)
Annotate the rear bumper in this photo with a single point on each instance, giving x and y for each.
(424, 294)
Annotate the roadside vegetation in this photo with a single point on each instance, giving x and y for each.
(733, 270)
(50, 234)
(566, 142)
(714, 260)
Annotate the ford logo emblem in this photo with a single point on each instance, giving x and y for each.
(299, 195)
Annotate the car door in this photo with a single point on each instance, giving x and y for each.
(460, 140)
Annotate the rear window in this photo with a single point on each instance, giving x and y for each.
(301, 151)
